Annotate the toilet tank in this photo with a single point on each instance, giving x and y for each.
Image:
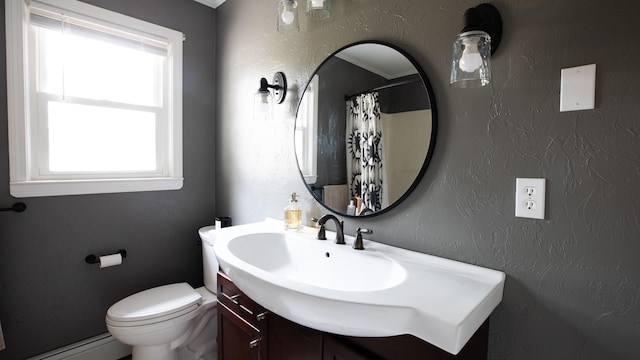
(209, 260)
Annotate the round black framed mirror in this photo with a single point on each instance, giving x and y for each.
(365, 129)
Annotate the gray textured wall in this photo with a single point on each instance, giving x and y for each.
(49, 296)
(573, 279)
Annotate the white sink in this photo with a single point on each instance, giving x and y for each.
(381, 291)
(316, 264)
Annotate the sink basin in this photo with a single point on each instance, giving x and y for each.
(315, 264)
(380, 291)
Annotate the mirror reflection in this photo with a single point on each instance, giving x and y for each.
(365, 129)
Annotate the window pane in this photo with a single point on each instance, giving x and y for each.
(86, 138)
(80, 66)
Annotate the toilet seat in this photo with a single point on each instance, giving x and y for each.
(154, 305)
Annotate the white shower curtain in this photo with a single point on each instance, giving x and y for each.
(364, 150)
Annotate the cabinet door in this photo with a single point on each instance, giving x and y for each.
(290, 341)
(336, 350)
(237, 339)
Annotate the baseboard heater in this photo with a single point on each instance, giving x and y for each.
(101, 347)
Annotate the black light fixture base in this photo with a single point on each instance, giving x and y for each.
(484, 17)
(279, 87)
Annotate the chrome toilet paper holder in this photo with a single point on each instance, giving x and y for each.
(92, 259)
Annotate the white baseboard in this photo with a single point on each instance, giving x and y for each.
(101, 347)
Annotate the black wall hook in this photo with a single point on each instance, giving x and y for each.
(17, 207)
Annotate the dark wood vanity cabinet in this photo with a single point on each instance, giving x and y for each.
(242, 324)
(290, 341)
(337, 350)
(246, 331)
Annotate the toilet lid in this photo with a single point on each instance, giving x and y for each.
(155, 303)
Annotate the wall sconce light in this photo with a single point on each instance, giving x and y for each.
(263, 99)
(319, 9)
(473, 47)
(288, 16)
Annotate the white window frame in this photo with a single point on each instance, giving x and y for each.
(23, 182)
(307, 132)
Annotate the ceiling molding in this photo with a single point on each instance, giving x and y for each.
(380, 60)
(211, 3)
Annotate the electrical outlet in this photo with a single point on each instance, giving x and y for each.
(529, 204)
(530, 198)
(529, 190)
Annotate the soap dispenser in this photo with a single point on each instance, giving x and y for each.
(293, 214)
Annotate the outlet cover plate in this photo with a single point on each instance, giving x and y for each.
(530, 198)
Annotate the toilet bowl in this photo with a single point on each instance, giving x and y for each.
(170, 322)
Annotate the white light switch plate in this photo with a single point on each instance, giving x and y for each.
(578, 88)
(530, 198)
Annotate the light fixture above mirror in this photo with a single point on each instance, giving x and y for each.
(319, 9)
(287, 16)
(473, 47)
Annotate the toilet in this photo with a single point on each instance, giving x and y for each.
(171, 322)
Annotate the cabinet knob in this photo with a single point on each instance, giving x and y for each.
(254, 343)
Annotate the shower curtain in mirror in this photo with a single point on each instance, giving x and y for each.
(364, 150)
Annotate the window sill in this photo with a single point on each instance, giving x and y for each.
(98, 186)
(310, 179)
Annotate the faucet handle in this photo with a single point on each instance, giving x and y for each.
(340, 233)
(357, 244)
(321, 232)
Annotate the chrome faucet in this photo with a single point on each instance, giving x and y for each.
(357, 244)
(339, 228)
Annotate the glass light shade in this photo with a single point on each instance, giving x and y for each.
(471, 66)
(262, 105)
(287, 16)
(319, 9)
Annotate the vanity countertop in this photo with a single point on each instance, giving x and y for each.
(380, 291)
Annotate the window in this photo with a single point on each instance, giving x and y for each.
(306, 133)
(95, 101)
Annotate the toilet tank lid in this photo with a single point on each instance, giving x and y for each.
(155, 302)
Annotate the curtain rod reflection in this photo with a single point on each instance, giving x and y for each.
(399, 83)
